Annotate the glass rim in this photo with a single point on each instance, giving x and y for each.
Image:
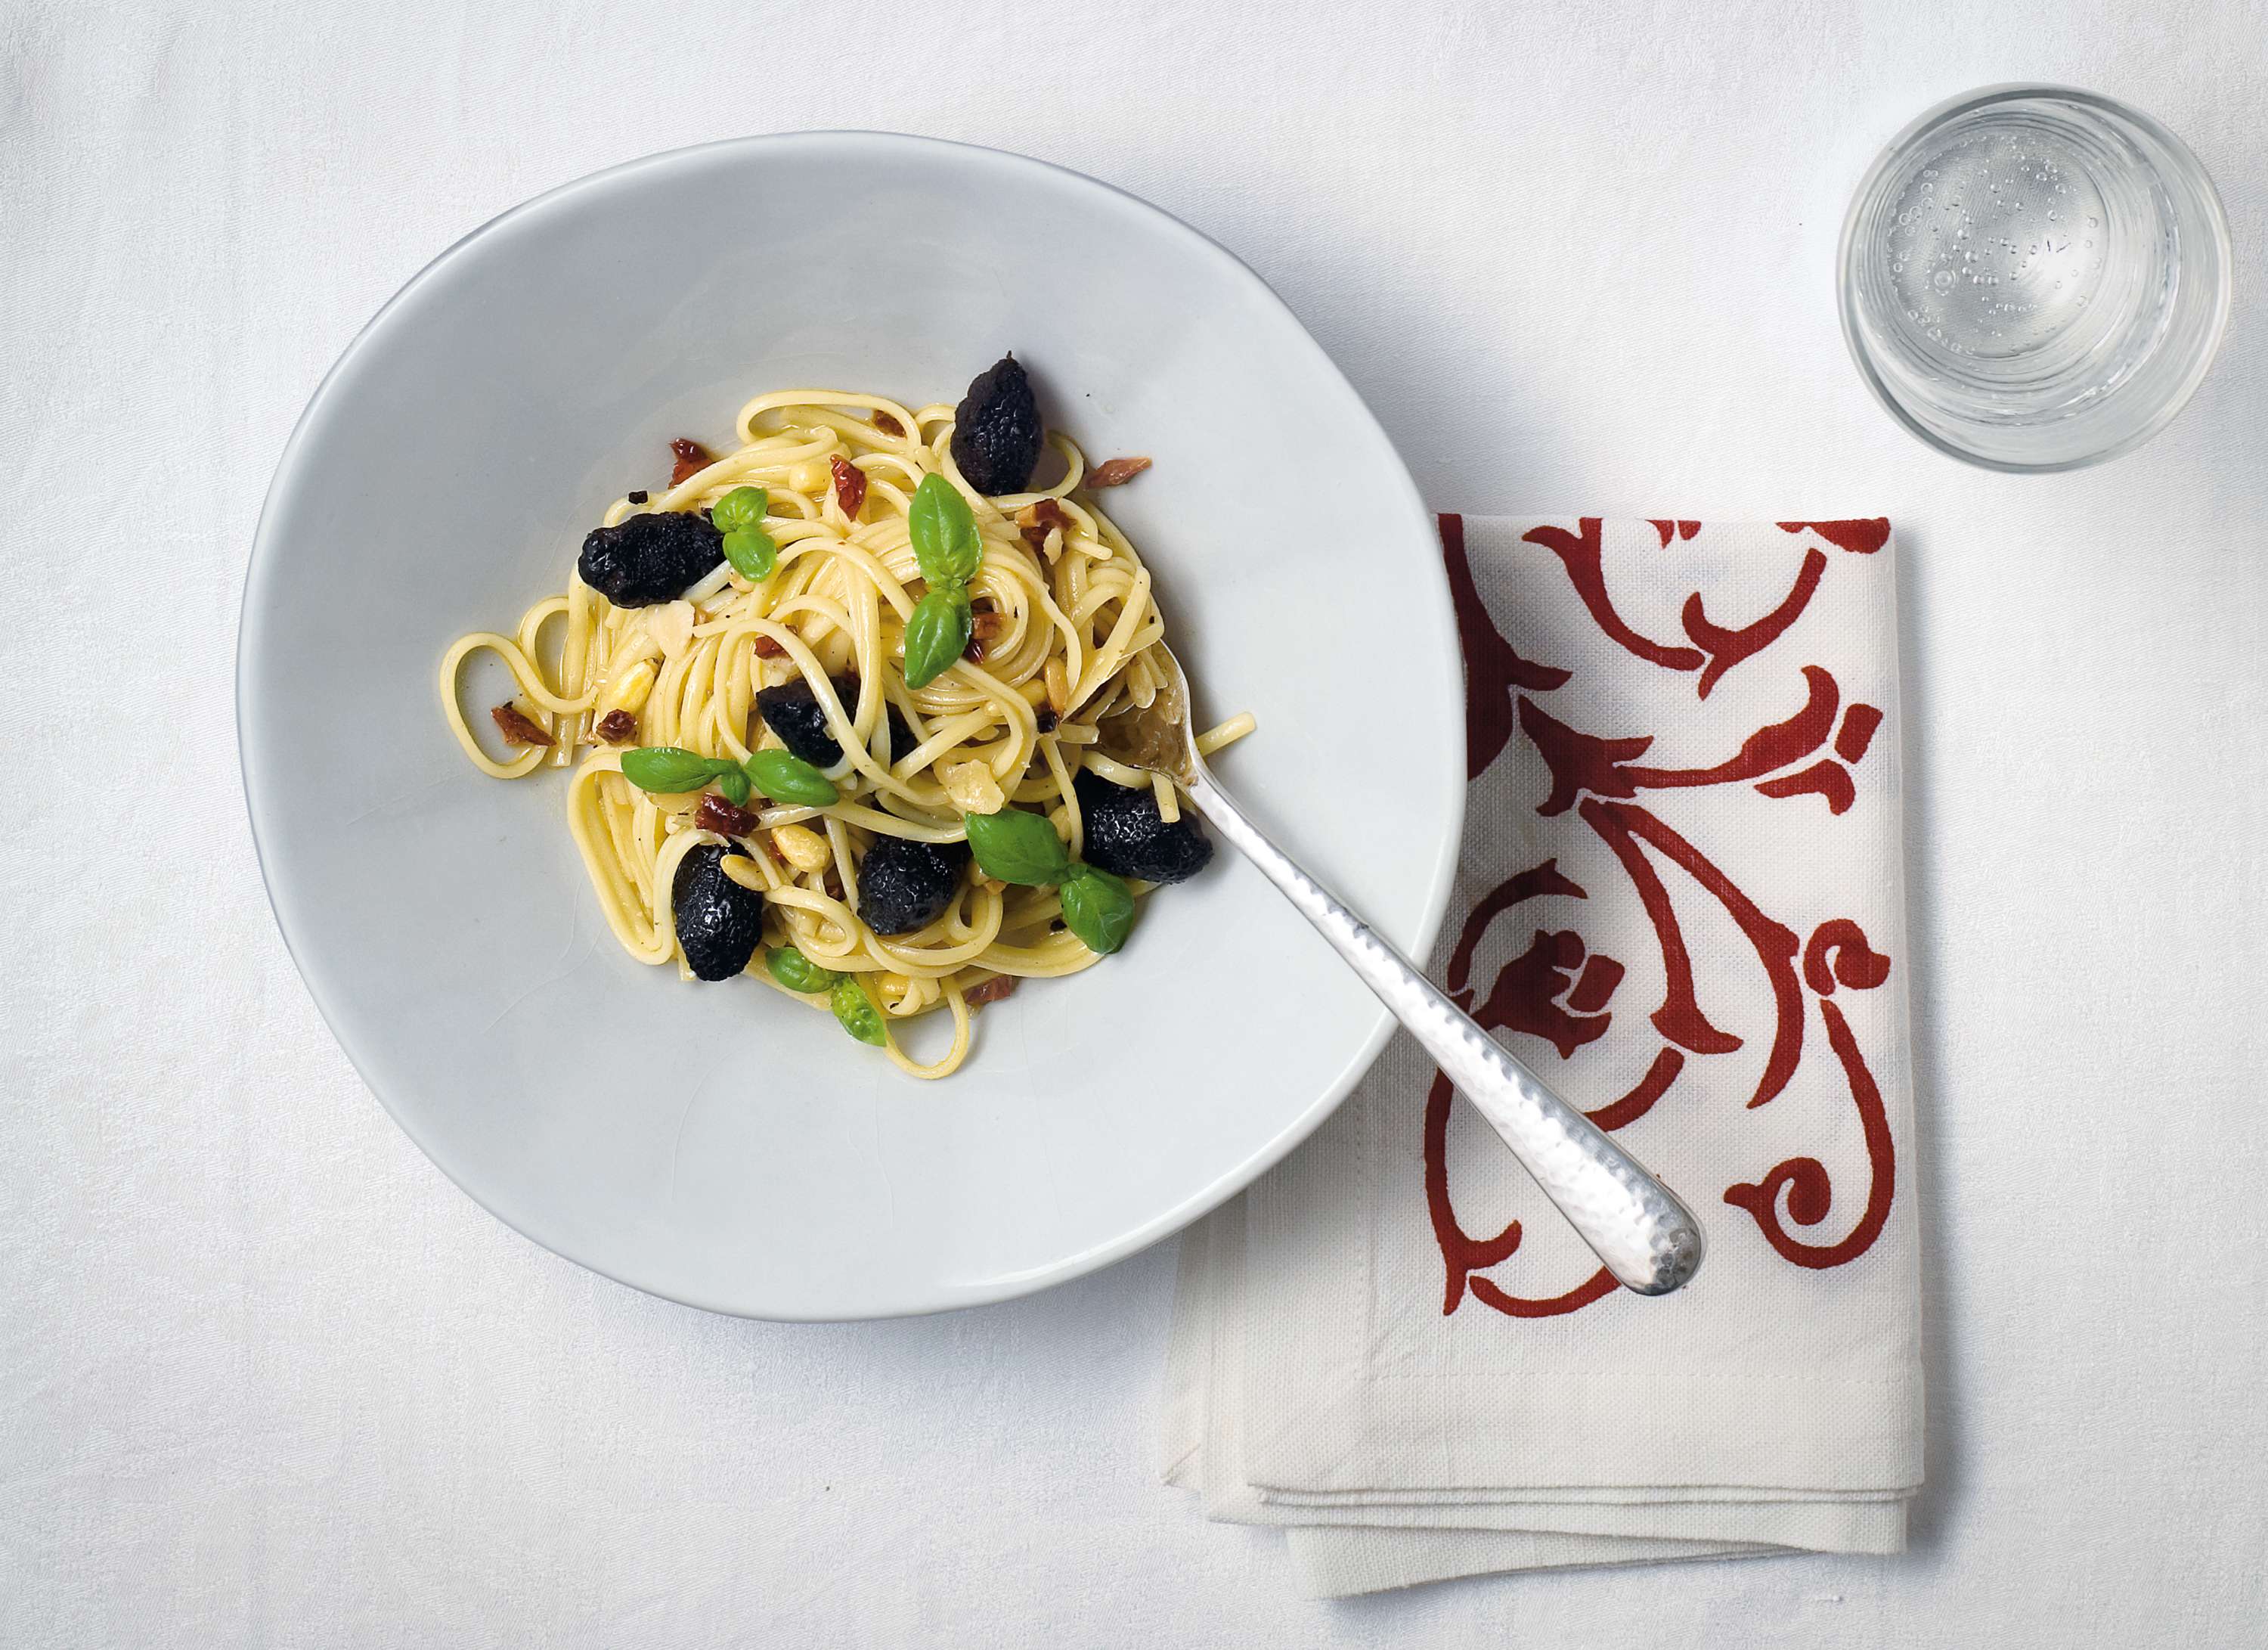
(2007, 92)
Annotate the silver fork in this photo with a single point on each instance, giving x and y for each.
(1647, 1238)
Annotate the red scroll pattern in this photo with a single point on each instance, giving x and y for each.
(1559, 992)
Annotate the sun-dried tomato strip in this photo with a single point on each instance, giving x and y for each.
(849, 483)
(983, 629)
(767, 648)
(692, 459)
(1034, 518)
(886, 424)
(1115, 472)
(617, 727)
(992, 991)
(517, 729)
(717, 815)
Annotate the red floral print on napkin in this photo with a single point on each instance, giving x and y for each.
(1558, 994)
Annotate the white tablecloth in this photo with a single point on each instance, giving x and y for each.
(266, 1377)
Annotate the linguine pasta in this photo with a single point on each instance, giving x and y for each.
(1064, 625)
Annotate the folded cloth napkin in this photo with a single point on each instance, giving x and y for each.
(1681, 901)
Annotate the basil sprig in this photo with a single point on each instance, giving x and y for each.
(854, 1010)
(786, 777)
(671, 771)
(936, 635)
(740, 516)
(1098, 907)
(798, 973)
(944, 531)
(752, 553)
(1015, 845)
(742, 507)
(947, 546)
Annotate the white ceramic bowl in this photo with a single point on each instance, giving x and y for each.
(716, 1143)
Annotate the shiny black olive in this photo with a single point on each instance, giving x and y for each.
(791, 711)
(651, 557)
(996, 431)
(905, 885)
(1125, 835)
(718, 922)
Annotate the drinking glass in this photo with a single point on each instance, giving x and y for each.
(2034, 278)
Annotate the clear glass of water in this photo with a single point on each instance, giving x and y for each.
(2033, 277)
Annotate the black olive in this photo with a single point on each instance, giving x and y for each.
(1126, 836)
(650, 557)
(905, 885)
(718, 922)
(996, 431)
(791, 711)
(902, 737)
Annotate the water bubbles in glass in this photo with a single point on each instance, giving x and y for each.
(2088, 347)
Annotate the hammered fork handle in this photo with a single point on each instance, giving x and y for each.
(1647, 1238)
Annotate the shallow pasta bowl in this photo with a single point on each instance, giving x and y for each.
(715, 1143)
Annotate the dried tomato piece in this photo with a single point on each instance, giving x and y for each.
(983, 629)
(767, 648)
(1034, 518)
(617, 727)
(849, 483)
(1115, 472)
(715, 813)
(517, 729)
(886, 424)
(992, 991)
(692, 459)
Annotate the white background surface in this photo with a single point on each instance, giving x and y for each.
(265, 1377)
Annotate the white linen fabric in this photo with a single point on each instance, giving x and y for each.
(1681, 898)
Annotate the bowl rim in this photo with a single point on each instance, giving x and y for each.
(1432, 575)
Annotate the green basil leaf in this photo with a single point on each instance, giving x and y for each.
(944, 531)
(667, 770)
(936, 635)
(798, 973)
(789, 779)
(734, 784)
(856, 1010)
(752, 553)
(1018, 846)
(1098, 908)
(742, 507)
